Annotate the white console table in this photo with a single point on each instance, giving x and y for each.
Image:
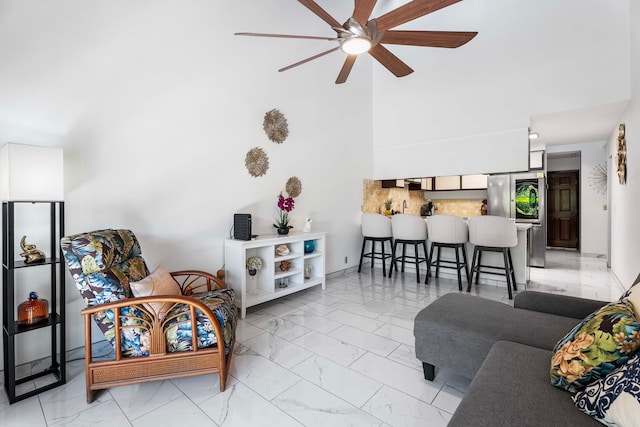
(236, 253)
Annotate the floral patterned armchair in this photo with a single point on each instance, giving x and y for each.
(149, 345)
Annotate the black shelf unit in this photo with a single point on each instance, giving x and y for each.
(56, 297)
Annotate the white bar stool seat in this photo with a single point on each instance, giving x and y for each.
(376, 228)
(448, 231)
(493, 234)
(409, 230)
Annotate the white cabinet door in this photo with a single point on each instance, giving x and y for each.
(470, 182)
(448, 182)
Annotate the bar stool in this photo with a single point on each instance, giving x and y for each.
(376, 228)
(493, 234)
(409, 230)
(447, 231)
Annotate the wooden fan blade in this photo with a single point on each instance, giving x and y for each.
(363, 10)
(313, 7)
(411, 11)
(450, 39)
(304, 61)
(285, 36)
(346, 69)
(390, 61)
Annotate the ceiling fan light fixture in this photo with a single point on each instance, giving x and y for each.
(355, 45)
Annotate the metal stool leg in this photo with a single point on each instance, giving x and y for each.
(433, 246)
(473, 267)
(466, 264)
(384, 262)
(505, 257)
(458, 266)
(428, 261)
(393, 258)
(373, 252)
(511, 269)
(364, 242)
(478, 266)
(416, 253)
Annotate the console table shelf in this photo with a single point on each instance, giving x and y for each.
(265, 285)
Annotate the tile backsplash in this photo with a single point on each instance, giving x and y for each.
(458, 207)
(374, 196)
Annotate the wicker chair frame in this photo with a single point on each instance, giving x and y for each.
(159, 364)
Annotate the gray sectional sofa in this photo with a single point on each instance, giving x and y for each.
(507, 352)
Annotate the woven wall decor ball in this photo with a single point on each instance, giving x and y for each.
(275, 126)
(294, 187)
(285, 265)
(256, 161)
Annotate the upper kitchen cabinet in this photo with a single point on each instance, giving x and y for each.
(464, 182)
(447, 182)
(420, 184)
(393, 183)
(426, 184)
(473, 182)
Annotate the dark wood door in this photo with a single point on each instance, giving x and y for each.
(562, 209)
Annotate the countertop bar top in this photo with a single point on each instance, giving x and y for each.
(521, 226)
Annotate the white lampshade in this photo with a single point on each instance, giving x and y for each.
(29, 172)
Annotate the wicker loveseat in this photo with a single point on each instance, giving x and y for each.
(148, 345)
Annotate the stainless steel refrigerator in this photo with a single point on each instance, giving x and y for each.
(521, 196)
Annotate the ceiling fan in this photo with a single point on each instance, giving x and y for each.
(359, 34)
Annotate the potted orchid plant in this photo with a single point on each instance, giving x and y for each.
(285, 205)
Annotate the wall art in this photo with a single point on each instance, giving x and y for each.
(622, 155)
(275, 126)
(597, 179)
(257, 162)
(293, 187)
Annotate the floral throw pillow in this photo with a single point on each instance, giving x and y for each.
(615, 399)
(595, 347)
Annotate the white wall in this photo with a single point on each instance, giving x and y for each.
(593, 217)
(529, 58)
(625, 199)
(156, 103)
(565, 162)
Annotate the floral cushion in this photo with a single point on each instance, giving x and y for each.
(595, 347)
(102, 263)
(222, 304)
(615, 399)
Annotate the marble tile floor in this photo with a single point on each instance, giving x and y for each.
(343, 356)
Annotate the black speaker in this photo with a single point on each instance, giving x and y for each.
(242, 226)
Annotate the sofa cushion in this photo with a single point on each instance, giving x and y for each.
(512, 389)
(596, 346)
(457, 331)
(615, 399)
